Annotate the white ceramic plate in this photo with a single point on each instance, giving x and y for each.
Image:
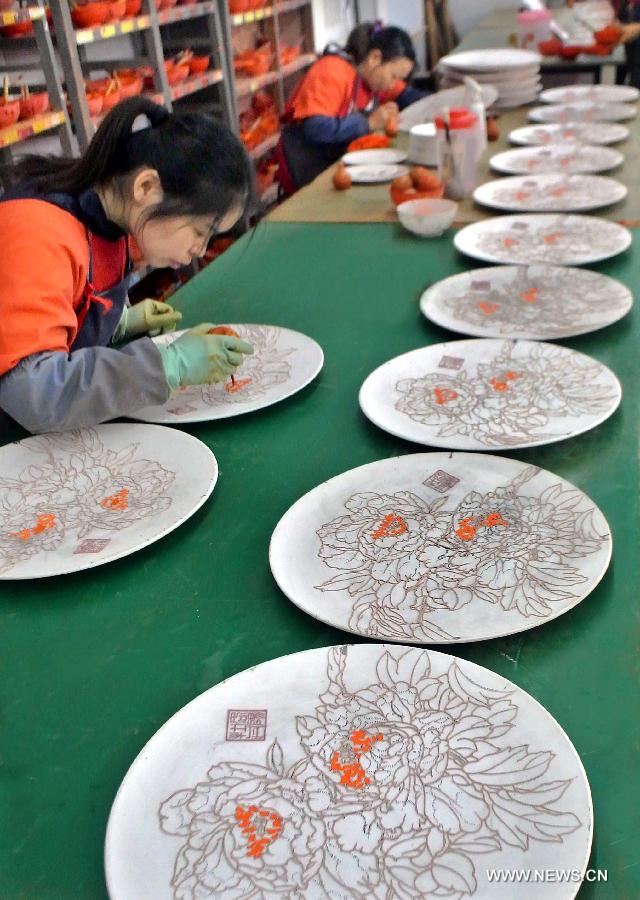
(554, 192)
(326, 772)
(534, 303)
(561, 240)
(515, 101)
(439, 548)
(428, 108)
(520, 89)
(385, 156)
(511, 77)
(493, 60)
(377, 174)
(282, 364)
(580, 132)
(594, 93)
(489, 395)
(570, 158)
(76, 500)
(583, 112)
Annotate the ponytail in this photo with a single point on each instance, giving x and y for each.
(393, 43)
(204, 169)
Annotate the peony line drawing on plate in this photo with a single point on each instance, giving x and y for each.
(76, 486)
(400, 789)
(267, 367)
(551, 193)
(584, 112)
(591, 133)
(511, 399)
(570, 158)
(402, 558)
(558, 238)
(554, 300)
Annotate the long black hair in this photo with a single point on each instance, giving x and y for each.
(204, 169)
(392, 42)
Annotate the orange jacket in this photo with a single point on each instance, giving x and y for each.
(44, 276)
(332, 87)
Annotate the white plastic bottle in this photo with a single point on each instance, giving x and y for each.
(475, 104)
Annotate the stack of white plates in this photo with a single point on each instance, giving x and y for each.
(514, 73)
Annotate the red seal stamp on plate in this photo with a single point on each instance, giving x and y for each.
(441, 481)
(92, 545)
(246, 724)
(451, 362)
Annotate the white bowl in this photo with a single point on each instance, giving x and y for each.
(427, 218)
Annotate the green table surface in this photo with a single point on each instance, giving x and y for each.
(94, 663)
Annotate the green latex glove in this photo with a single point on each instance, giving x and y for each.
(200, 358)
(147, 317)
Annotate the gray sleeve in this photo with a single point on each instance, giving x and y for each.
(54, 391)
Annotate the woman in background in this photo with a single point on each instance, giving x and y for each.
(346, 94)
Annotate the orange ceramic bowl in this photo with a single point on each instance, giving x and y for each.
(176, 74)
(130, 85)
(97, 86)
(117, 10)
(91, 14)
(18, 29)
(94, 102)
(110, 100)
(34, 105)
(198, 64)
(9, 112)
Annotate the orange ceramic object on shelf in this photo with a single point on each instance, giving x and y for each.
(91, 14)
(117, 10)
(176, 73)
(111, 96)
(198, 64)
(98, 85)
(94, 102)
(130, 84)
(34, 105)
(288, 55)
(9, 112)
(18, 29)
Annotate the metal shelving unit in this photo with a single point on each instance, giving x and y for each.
(57, 119)
(68, 56)
(276, 24)
(147, 31)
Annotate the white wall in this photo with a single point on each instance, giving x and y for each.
(334, 19)
(465, 14)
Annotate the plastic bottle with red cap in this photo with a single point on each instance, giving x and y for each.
(458, 152)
